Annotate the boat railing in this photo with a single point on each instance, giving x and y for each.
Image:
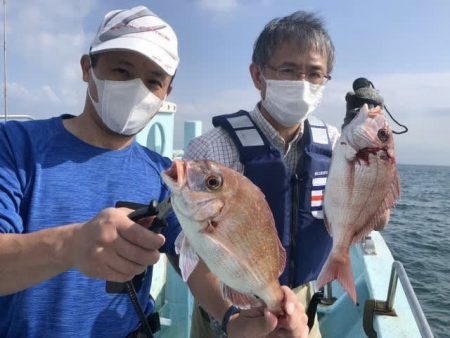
(398, 273)
(17, 117)
(387, 307)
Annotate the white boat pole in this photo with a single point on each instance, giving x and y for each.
(4, 58)
(398, 272)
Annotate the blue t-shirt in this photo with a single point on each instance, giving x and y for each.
(49, 177)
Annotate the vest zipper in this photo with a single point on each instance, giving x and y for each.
(294, 226)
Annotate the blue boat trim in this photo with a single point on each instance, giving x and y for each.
(371, 264)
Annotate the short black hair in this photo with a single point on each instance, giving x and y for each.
(304, 28)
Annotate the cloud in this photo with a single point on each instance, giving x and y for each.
(416, 92)
(407, 96)
(218, 5)
(220, 103)
(227, 6)
(45, 40)
(42, 94)
(417, 100)
(225, 102)
(48, 33)
(39, 102)
(420, 101)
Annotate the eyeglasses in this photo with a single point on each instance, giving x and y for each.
(290, 74)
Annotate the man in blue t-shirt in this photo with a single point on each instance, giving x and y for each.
(60, 235)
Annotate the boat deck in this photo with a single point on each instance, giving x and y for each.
(371, 270)
(371, 265)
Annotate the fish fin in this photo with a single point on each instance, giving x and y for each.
(365, 230)
(383, 220)
(188, 257)
(376, 222)
(281, 258)
(339, 267)
(394, 192)
(242, 300)
(391, 197)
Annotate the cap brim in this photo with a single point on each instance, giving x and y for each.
(154, 52)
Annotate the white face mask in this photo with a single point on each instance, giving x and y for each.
(125, 107)
(291, 102)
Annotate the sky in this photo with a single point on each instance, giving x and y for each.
(402, 46)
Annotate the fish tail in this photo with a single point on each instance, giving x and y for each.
(339, 267)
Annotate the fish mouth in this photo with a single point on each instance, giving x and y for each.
(374, 112)
(175, 175)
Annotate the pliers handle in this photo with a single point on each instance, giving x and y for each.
(154, 208)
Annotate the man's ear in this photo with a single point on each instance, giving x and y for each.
(255, 72)
(85, 63)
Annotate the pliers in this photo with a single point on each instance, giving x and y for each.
(159, 209)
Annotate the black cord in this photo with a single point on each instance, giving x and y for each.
(137, 307)
(401, 125)
(405, 128)
(158, 224)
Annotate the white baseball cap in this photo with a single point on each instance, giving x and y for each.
(140, 30)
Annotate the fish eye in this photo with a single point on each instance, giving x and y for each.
(383, 135)
(213, 182)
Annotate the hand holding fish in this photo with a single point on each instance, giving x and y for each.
(259, 322)
(294, 322)
(254, 323)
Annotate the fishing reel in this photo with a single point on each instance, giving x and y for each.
(364, 92)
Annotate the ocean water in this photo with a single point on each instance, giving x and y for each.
(418, 236)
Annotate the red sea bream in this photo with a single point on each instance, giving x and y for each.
(362, 185)
(226, 221)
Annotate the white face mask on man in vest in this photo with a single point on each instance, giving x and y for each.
(290, 102)
(125, 107)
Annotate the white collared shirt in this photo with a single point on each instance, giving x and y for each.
(217, 145)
